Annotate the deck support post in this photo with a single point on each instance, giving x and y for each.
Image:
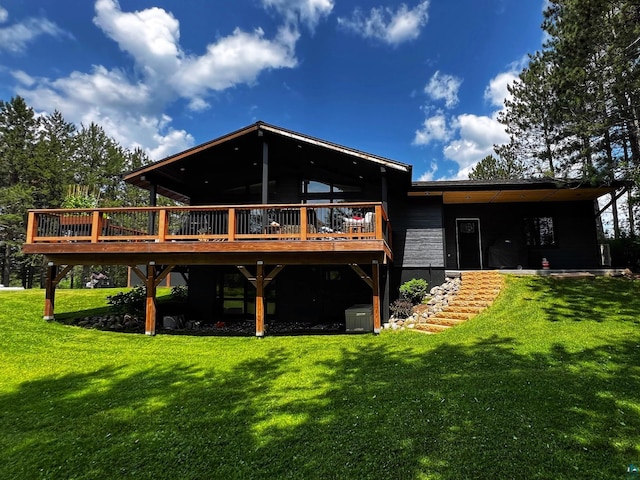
(54, 275)
(50, 291)
(260, 299)
(375, 277)
(150, 310)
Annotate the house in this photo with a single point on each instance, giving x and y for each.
(279, 225)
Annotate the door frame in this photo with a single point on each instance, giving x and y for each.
(476, 219)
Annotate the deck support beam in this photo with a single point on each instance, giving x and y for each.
(54, 275)
(260, 281)
(50, 292)
(150, 310)
(374, 282)
(375, 276)
(260, 299)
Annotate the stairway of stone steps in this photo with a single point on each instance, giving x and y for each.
(478, 290)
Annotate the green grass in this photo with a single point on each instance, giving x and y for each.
(543, 385)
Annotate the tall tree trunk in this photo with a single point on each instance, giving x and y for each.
(6, 270)
(632, 222)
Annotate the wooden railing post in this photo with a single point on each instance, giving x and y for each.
(162, 225)
(304, 223)
(378, 218)
(232, 224)
(32, 227)
(96, 226)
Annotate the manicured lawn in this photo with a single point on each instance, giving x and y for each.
(543, 385)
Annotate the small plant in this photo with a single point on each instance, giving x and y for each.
(401, 308)
(414, 290)
(129, 302)
(179, 293)
(81, 196)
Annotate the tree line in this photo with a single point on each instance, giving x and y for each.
(574, 111)
(40, 157)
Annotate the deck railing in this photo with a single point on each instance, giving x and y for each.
(336, 221)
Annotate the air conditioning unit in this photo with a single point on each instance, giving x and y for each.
(171, 322)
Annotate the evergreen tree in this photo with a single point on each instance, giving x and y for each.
(490, 168)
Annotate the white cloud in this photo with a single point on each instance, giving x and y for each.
(444, 87)
(308, 12)
(496, 92)
(434, 128)
(151, 36)
(130, 108)
(429, 175)
(468, 138)
(391, 27)
(238, 58)
(477, 135)
(15, 38)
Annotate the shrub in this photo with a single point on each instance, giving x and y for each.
(401, 308)
(129, 302)
(179, 293)
(414, 290)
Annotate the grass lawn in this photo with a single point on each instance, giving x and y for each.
(543, 385)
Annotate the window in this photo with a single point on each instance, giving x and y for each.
(313, 191)
(539, 231)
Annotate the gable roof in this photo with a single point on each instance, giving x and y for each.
(174, 175)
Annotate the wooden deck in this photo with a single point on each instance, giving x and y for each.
(263, 237)
(292, 234)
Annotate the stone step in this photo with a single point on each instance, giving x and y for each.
(476, 291)
(454, 314)
(464, 308)
(446, 321)
(432, 327)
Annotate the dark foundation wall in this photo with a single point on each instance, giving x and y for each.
(313, 293)
(575, 233)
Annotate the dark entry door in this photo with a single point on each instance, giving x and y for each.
(469, 248)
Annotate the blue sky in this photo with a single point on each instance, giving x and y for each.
(418, 82)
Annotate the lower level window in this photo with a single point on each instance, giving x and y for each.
(539, 231)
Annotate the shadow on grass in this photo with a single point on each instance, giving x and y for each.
(480, 411)
(594, 299)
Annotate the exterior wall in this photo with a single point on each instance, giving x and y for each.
(418, 242)
(574, 229)
(314, 293)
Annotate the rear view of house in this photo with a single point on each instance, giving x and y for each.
(278, 226)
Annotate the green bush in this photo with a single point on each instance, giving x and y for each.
(129, 302)
(414, 290)
(179, 293)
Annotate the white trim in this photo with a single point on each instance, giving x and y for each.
(458, 240)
